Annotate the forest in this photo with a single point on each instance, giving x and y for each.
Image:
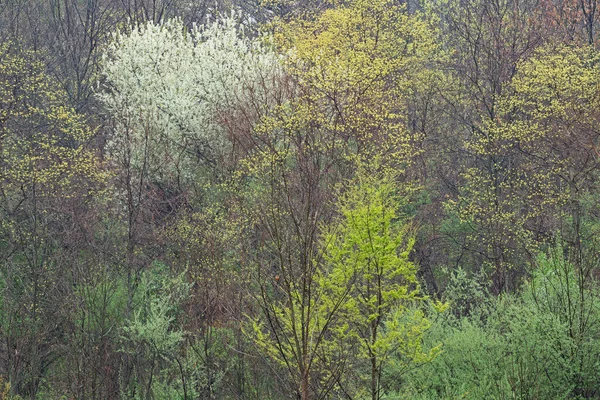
(299, 199)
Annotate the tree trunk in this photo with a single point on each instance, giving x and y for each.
(304, 386)
(374, 378)
(374, 369)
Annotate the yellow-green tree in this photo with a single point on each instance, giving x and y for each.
(542, 159)
(349, 70)
(483, 213)
(356, 65)
(551, 117)
(47, 177)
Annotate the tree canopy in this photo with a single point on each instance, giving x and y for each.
(299, 199)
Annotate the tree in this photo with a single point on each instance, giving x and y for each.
(70, 35)
(164, 88)
(153, 339)
(350, 69)
(550, 116)
(67, 35)
(483, 225)
(370, 272)
(48, 176)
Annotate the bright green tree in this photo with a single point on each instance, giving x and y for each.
(365, 307)
(370, 271)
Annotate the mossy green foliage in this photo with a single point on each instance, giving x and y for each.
(537, 343)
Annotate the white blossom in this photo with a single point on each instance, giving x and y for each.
(163, 87)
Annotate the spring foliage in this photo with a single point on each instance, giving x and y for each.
(373, 283)
(286, 206)
(357, 64)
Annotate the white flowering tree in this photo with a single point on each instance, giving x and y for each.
(165, 85)
(165, 88)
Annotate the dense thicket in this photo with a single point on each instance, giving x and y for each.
(299, 199)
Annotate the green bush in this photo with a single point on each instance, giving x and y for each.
(540, 343)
